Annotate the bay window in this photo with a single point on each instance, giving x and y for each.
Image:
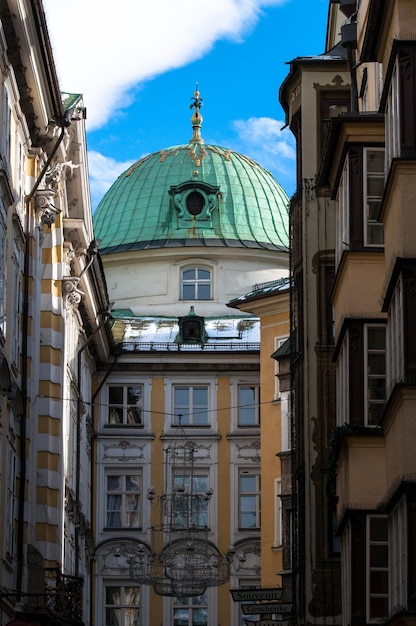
(361, 374)
(358, 201)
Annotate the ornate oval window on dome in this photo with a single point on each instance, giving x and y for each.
(195, 283)
(195, 203)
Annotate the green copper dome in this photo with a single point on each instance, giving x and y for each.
(193, 195)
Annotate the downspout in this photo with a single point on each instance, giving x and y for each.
(78, 423)
(64, 123)
(349, 41)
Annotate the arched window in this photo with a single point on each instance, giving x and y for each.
(196, 284)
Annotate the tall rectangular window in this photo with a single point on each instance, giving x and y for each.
(393, 118)
(122, 605)
(278, 512)
(11, 501)
(190, 405)
(249, 500)
(395, 337)
(125, 405)
(343, 383)
(375, 368)
(15, 297)
(123, 500)
(343, 214)
(248, 405)
(6, 115)
(346, 574)
(377, 568)
(398, 555)
(191, 611)
(3, 276)
(190, 501)
(373, 193)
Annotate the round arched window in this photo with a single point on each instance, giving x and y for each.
(195, 203)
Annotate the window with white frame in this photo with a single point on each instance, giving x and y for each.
(246, 583)
(346, 574)
(249, 499)
(122, 604)
(375, 368)
(278, 540)
(15, 297)
(343, 383)
(3, 275)
(393, 118)
(373, 193)
(278, 343)
(190, 611)
(190, 501)
(125, 405)
(248, 405)
(123, 499)
(377, 568)
(196, 283)
(19, 169)
(398, 555)
(6, 126)
(190, 405)
(395, 337)
(285, 414)
(11, 502)
(343, 213)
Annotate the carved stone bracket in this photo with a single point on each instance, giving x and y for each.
(71, 293)
(46, 211)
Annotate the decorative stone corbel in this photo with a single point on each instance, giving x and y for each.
(71, 293)
(46, 211)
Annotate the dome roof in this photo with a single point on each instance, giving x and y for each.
(191, 195)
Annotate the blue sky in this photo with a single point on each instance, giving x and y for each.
(137, 62)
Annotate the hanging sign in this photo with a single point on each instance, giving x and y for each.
(268, 607)
(250, 595)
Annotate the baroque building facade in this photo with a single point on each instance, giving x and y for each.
(186, 233)
(352, 240)
(53, 316)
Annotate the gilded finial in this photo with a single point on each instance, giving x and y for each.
(196, 118)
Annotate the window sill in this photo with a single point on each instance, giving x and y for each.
(128, 426)
(108, 529)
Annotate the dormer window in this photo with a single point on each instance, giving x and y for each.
(195, 201)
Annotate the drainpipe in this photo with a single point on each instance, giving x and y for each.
(78, 423)
(64, 123)
(349, 41)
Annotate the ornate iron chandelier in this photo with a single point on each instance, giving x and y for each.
(182, 561)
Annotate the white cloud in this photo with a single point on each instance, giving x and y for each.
(103, 172)
(103, 49)
(266, 142)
